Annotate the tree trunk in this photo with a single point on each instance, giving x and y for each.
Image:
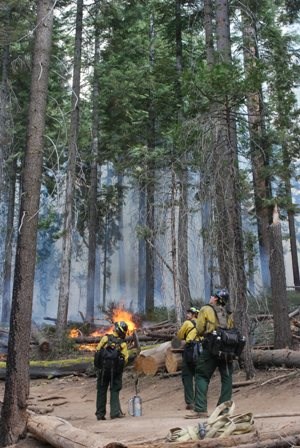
(182, 177)
(8, 249)
(282, 328)
(150, 243)
(7, 170)
(13, 415)
(228, 208)
(291, 219)
(92, 198)
(142, 251)
(64, 281)
(150, 188)
(258, 142)
(177, 301)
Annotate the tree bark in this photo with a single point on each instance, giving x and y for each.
(13, 414)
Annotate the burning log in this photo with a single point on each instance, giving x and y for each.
(96, 339)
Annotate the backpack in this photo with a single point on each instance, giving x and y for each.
(109, 357)
(226, 343)
(191, 352)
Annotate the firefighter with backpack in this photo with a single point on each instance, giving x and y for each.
(188, 333)
(110, 359)
(210, 318)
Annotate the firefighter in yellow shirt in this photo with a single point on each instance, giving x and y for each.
(188, 333)
(210, 317)
(111, 371)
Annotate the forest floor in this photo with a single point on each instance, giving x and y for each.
(73, 399)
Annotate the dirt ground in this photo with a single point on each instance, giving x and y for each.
(73, 398)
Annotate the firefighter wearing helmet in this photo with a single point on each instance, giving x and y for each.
(210, 317)
(188, 333)
(114, 358)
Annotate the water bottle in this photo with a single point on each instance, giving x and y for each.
(135, 406)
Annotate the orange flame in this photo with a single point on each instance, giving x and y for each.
(126, 316)
(102, 332)
(118, 315)
(88, 347)
(75, 333)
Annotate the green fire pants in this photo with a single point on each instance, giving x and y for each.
(188, 377)
(113, 379)
(206, 365)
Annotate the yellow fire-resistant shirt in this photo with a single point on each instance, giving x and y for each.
(187, 331)
(207, 321)
(123, 345)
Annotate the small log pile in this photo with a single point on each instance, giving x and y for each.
(160, 332)
(165, 330)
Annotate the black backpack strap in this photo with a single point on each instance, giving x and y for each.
(194, 326)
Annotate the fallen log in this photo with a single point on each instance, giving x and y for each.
(156, 361)
(285, 442)
(52, 369)
(243, 383)
(96, 339)
(173, 361)
(286, 357)
(151, 360)
(250, 440)
(59, 433)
